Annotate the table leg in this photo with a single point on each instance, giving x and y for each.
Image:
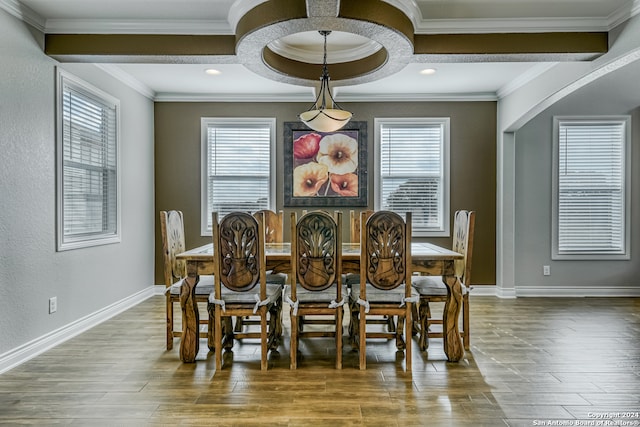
(190, 341)
(452, 341)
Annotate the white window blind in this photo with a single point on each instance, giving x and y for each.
(590, 188)
(88, 202)
(237, 169)
(413, 171)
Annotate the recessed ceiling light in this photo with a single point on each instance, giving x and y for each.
(213, 72)
(428, 71)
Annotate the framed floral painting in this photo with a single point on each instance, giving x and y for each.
(325, 169)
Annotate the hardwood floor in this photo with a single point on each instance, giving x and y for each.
(533, 361)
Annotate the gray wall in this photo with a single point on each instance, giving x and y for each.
(606, 96)
(473, 164)
(84, 280)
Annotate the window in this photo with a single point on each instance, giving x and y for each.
(412, 160)
(88, 195)
(591, 188)
(237, 155)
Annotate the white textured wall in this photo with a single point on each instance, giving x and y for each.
(84, 280)
(606, 86)
(534, 143)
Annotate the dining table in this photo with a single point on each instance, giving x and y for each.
(427, 259)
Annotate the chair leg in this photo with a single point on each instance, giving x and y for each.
(275, 325)
(227, 333)
(354, 325)
(408, 327)
(210, 328)
(423, 316)
(416, 320)
(362, 334)
(391, 326)
(339, 313)
(466, 338)
(293, 364)
(239, 324)
(217, 332)
(400, 341)
(263, 338)
(169, 323)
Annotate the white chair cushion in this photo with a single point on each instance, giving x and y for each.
(375, 295)
(306, 296)
(274, 292)
(277, 278)
(432, 286)
(205, 286)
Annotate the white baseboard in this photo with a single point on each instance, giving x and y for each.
(555, 291)
(25, 352)
(577, 291)
(483, 291)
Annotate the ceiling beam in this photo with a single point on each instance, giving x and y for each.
(512, 43)
(137, 48)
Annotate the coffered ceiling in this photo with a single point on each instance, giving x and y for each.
(266, 50)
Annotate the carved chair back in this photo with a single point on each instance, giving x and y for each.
(464, 224)
(173, 243)
(386, 251)
(316, 250)
(238, 251)
(273, 225)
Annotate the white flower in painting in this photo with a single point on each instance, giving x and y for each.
(339, 153)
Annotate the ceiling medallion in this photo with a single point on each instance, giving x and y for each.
(387, 33)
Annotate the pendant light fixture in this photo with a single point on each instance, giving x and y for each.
(320, 117)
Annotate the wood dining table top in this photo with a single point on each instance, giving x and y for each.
(350, 252)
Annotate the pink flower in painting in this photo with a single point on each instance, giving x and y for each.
(345, 185)
(308, 178)
(306, 146)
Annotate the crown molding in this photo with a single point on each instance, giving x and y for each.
(132, 26)
(128, 80)
(499, 25)
(623, 14)
(306, 97)
(233, 97)
(415, 97)
(240, 7)
(22, 12)
(524, 78)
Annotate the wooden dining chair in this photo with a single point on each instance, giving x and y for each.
(351, 279)
(432, 288)
(273, 233)
(240, 286)
(385, 278)
(173, 243)
(316, 285)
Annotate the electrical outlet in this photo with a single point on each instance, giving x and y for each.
(546, 270)
(53, 305)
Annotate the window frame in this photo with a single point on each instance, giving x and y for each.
(64, 242)
(625, 251)
(445, 122)
(205, 215)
